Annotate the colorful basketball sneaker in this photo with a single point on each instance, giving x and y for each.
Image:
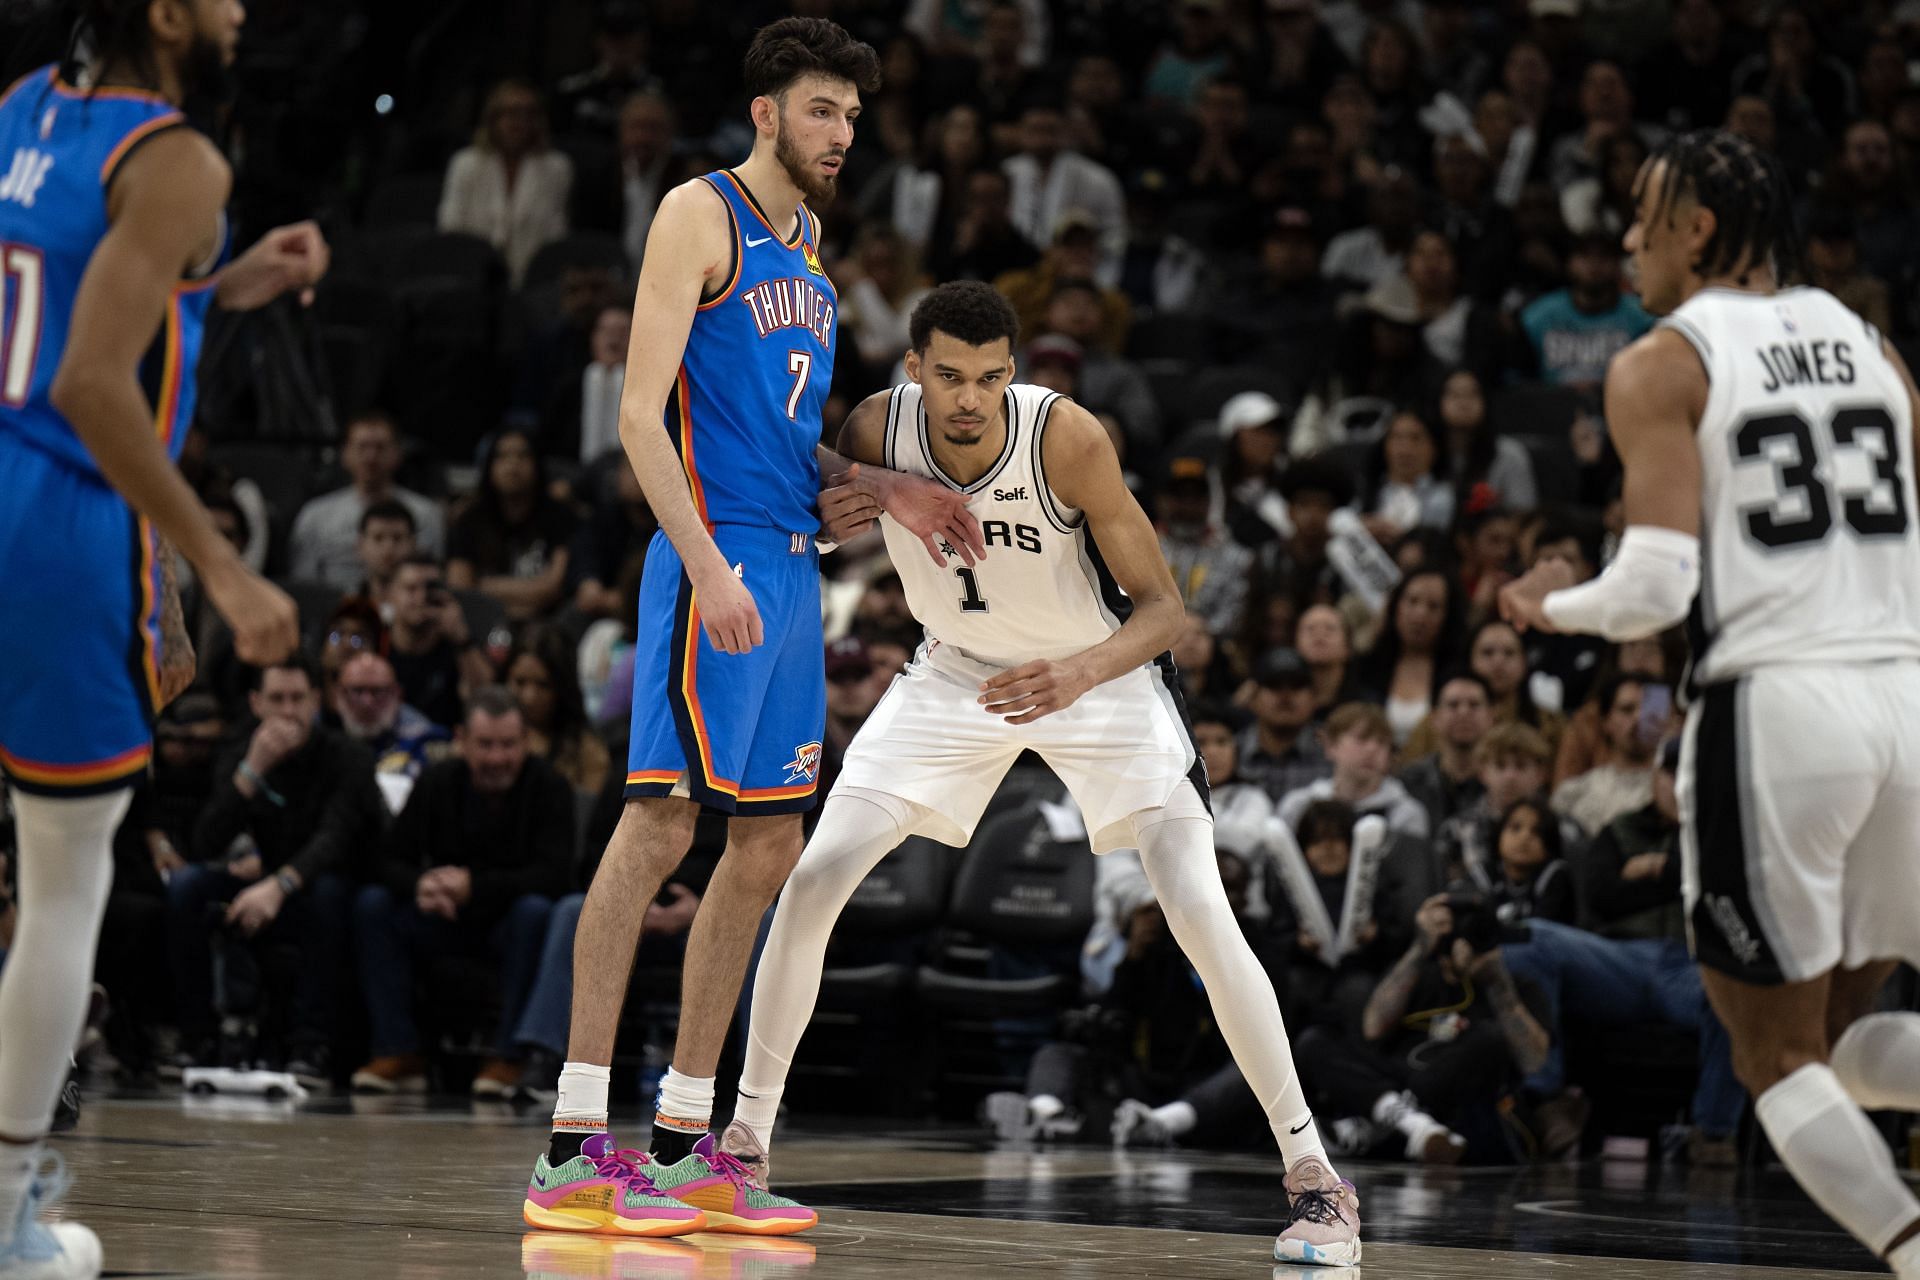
(606, 1190)
(729, 1193)
(1323, 1220)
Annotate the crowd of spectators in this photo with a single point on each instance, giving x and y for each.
(1342, 279)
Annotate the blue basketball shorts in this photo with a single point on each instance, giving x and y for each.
(737, 732)
(79, 629)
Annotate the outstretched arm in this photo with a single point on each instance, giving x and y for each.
(1086, 471)
(1656, 392)
(858, 490)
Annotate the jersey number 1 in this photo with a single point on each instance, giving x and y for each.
(970, 599)
(1802, 510)
(22, 280)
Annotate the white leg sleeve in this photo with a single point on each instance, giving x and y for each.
(857, 829)
(66, 871)
(1837, 1156)
(1176, 848)
(1878, 1061)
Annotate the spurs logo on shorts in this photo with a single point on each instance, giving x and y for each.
(805, 765)
(1733, 928)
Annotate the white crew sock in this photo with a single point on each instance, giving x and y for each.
(581, 1106)
(1176, 850)
(1836, 1155)
(686, 1102)
(757, 1107)
(1878, 1061)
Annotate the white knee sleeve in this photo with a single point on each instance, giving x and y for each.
(857, 829)
(1176, 849)
(1877, 1060)
(66, 872)
(1836, 1155)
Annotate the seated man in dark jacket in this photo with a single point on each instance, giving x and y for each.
(290, 806)
(472, 866)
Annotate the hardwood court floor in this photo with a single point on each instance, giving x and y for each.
(348, 1190)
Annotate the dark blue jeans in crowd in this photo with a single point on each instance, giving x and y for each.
(1614, 981)
(313, 921)
(549, 1009)
(391, 936)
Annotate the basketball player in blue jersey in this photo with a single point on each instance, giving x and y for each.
(112, 240)
(733, 335)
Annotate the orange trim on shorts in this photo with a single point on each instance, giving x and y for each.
(654, 775)
(91, 773)
(138, 132)
(690, 690)
(761, 795)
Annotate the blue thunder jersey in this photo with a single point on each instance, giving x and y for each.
(59, 150)
(745, 409)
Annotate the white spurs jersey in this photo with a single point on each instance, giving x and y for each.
(1042, 591)
(1810, 551)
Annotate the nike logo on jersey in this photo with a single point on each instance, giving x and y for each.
(755, 244)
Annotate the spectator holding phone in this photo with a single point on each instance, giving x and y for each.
(432, 651)
(1634, 717)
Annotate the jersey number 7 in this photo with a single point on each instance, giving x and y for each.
(24, 277)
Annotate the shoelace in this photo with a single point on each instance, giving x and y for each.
(734, 1170)
(1315, 1206)
(625, 1165)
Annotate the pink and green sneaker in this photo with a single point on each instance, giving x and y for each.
(732, 1197)
(608, 1191)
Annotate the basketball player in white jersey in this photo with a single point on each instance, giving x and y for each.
(1034, 648)
(1768, 439)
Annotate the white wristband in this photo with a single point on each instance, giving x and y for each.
(1649, 587)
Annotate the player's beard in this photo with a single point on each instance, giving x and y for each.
(818, 188)
(208, 82)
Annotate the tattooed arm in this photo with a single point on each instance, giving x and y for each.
(1388, 1004)
(177, 663)
(1525, 1036)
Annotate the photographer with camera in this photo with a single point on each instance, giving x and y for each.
(1447, 1034)
(1641, 971)
(431, 649)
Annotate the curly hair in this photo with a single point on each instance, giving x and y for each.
(969, 310)
(784, 51)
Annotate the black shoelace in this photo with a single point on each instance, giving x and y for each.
(1314, 1206)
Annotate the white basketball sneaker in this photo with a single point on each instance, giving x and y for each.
(36, 1250)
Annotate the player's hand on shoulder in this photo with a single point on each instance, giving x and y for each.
(932, 512)
(727, 610)
(285, 259)
(1031, 690)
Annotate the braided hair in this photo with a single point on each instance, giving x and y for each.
(1746, 191)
